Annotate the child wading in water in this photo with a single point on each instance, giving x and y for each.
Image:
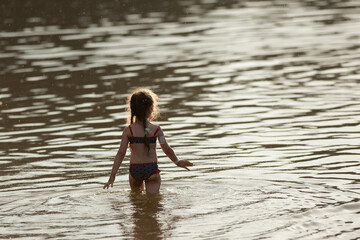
(141, 136)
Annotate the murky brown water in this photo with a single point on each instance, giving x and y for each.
(263, 96)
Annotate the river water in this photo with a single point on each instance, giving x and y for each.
(262, 96)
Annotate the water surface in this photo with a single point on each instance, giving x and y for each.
(263, 97)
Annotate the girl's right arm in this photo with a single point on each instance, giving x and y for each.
(170, 152)
(119, 157)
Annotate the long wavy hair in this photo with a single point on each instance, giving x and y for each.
(143, 106)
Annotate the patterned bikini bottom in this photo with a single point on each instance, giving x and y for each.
(141, 172)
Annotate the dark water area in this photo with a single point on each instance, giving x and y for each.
(18, 15)
(263, 97)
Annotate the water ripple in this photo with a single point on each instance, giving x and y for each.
(261, 95)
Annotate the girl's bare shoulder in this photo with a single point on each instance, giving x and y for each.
(154, 128)
(152, 125)
(127, 131)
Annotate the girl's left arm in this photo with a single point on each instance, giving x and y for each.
(119, 157)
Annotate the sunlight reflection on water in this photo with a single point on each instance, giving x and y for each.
(261, 95)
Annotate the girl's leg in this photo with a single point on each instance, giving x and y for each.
(135, 186)
(153, 184)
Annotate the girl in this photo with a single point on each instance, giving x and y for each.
(141, 136)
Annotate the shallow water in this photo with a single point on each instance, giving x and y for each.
(263, 97)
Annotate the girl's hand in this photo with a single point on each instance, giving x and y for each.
(109, 183)
(185, 164)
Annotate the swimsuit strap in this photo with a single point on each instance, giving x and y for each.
(156, 131)
(131, 131)
(158, 128)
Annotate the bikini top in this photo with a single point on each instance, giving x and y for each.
(151, 139)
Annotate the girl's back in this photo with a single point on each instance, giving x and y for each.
(139, 153)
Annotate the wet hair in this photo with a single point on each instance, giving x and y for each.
(143, 106)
